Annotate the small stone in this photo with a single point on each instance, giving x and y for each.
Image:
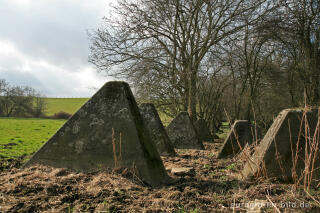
(183, 171)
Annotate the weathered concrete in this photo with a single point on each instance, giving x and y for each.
(203, 130)
(109, 121)
(241, 133)
(273, 156)
(157, 132)
(182, 133)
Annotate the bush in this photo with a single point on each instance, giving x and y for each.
(61, 115)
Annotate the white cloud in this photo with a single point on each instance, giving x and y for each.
(21, 3)
(52, 80)
(44, 44)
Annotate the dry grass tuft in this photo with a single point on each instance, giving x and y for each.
(213, 188)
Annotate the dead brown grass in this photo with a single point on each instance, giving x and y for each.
(214, 188)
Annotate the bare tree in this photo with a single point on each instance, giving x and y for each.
(248, 56)
(169, 38)
(20, 101)
(296, 27)
(39, 105)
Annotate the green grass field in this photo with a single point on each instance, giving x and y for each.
(69, 105)
(23, 136)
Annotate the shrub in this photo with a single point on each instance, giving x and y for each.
(61, 115)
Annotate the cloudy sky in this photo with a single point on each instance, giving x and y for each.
(44, 44)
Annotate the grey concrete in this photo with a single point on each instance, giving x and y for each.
(157, 132)
(84, 142)
(241, 133)
(203, 130)
(182, 133)
(273, 156)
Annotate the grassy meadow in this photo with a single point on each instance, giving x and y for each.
(69, 105)
(23, 136)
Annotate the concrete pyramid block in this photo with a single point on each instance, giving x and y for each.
(182, 133)
(275, 156)
(203, 130)
(106, 132)
(241, 133)
(156, 129)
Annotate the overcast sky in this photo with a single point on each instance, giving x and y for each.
(44, 44)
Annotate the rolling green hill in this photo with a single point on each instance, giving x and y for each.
(69, 105)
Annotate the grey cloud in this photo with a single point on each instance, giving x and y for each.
(61, 86)
(52, 30)
(17, 78)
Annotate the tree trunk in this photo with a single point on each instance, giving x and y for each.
(192, 104)
(186, 95)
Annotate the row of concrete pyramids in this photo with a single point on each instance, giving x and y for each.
(111, 131)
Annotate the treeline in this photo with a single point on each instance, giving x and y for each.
(20, 101)
(234, 59)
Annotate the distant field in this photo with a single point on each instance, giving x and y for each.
(69, 105)
(23, 136)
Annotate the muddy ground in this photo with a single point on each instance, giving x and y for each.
(212, 187)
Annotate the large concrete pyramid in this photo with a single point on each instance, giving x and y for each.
(182, 133)
(157, 132)
(106, 132)
(203, 130)
(241, 133)
(276, 154)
